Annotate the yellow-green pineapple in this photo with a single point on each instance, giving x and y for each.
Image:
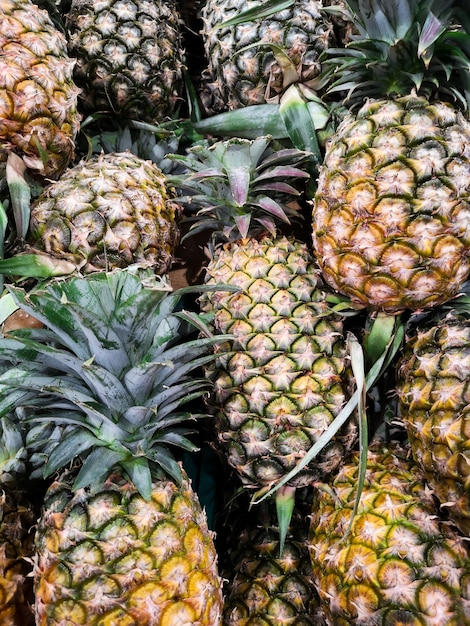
(38, 98)
(111, 210)
(433, 386)
(129, 57)
(394, 562)
(122, 538)
(265, 585)
(283, 379)
(392, 208)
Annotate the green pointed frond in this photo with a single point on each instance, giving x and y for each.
(401, 46)
(239, 187)
(110, 376)
(12, 450)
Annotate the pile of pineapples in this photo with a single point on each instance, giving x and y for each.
(235, 313)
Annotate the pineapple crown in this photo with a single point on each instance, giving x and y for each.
(238, 187)
(112, 368)
(12, 451)
(402, 46)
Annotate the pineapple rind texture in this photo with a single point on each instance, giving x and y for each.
(238, 77)
(107, 212)
(391, 213)
(264, 586)
(18, 515)
(397, 563)
(38, 98)
(111, 557)
(17, 520)
(433, 386)
(283, 379)
(129, 57)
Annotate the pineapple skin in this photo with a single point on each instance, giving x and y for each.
(433, 388)
(399, 563)
(284, 378)
(392, 208)
(111, 557)
(264, 586)
(17, 519)
(38, 98)
(234, 77)
(129, 56)
(107, 212)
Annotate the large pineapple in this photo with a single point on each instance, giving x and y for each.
(394, 562)
(18, 517)
(129, 57)
(433, 385)
(282, 380)
(111, 210)
(38, 98)
(122, 538)
(242, 67)
(392, 208)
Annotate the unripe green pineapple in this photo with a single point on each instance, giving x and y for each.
(38, 98)
(111, 210)
(284, 377)
(242, 72)
(394, 562)
(129, 57)
(265, 585)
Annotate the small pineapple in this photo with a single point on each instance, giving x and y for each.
(392, 208)
(129, 57)
(122, 538)
(265, 586)
(242, 72)
(38, 98)
(394, 562)
(18, 517)
(283, 379)
(109, 211)
(433, 386)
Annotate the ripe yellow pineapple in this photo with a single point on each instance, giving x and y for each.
(433, 389)
(392, 208)
(111, 210)
(129, 57)
(394, 562)
(122, 538)
(38, 98)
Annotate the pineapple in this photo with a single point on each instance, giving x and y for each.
(433, 389)
(106, 212)
(394, 562)
(242, 72)
(129, 57)
(17, 519)
(263, 585)
(122, 538)
(391, 213)
(38, 98)
(283, 379)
